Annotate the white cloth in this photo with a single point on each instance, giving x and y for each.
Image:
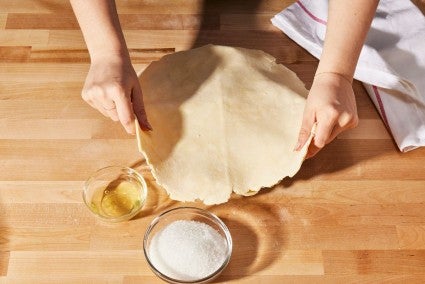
(391, 63)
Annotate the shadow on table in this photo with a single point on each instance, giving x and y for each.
(341, 155)
(245, 32)
(157, 199)
(258, 241)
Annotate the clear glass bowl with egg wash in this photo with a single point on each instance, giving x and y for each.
(187, 245)
(115, 194)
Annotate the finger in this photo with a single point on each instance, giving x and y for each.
(113, 114)
(100, 108)
(108, 107)
(125, 111)
(91, 103)
(324, 129)
(312, 151)
(345, 122)
(341, 127)
(335, 132)
(86, 95)
(348, 120)
(139, 108)
(106, 104)
(305, 131)
(97, 99)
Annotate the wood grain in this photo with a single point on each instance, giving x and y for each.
(128, 21)
(24, 37)
(3, 19)
(353, 214)
(412, 236)
(247, 22)
(374, 262)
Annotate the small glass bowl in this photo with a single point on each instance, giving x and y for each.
(115, 194)
(187, 213)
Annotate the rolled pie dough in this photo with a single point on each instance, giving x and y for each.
(224, 119)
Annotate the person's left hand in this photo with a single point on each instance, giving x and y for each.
(332, 105)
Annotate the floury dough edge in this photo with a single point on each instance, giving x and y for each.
(224, 119)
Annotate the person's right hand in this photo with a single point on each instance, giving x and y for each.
(331, 105)
(112, 87)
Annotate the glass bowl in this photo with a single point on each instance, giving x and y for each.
(162, 222)
(115, 193)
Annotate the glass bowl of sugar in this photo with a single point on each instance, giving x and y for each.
(187, 245)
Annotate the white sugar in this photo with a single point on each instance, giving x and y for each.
(187, 250)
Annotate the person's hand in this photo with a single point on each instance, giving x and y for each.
(112, 87)
(332, 105)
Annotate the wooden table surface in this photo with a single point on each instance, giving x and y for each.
(354, 213)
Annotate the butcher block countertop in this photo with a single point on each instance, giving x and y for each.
(353, 213)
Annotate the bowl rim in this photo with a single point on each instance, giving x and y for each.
(206, 213)
(144, 191)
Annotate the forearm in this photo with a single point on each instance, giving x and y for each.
(347, 27)
(98, 20)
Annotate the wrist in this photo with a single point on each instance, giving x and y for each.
(108, 54)
(343, 76)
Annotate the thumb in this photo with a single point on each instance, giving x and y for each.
(139, 108)
(305, 131)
